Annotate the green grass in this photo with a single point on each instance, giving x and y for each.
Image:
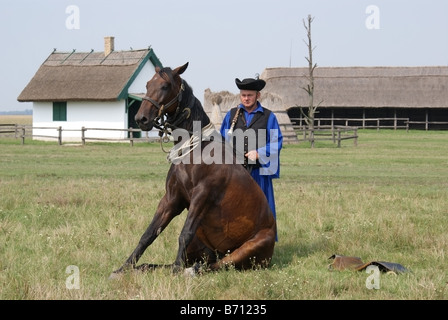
(87, 206)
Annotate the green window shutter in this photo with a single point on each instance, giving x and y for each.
(60, 111)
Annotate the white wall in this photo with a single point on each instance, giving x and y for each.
(90, 114)
(139, 84)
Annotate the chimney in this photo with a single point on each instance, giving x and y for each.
(108, 45)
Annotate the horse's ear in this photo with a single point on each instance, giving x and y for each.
(181, 69)
(157, 69)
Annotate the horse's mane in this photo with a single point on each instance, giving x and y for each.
(197, 110)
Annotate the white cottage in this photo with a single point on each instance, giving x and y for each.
(89, 89)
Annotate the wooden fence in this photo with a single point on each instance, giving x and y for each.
(364, 123)
(331, 132)
(23, 131)
(336, 134)
(373, 123)
(13, 130)
(427, 124)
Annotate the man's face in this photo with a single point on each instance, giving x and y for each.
(248, 97)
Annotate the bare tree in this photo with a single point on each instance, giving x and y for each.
(311, 109)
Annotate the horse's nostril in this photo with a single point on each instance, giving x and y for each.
(141, 120)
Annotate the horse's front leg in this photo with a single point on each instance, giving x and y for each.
(185, 238)
(197, 208)
(165, 212)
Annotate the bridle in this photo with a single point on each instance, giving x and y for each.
(162, 107)
(167, 122)
(164, 124)
(160, 122)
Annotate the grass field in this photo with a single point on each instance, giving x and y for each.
(65, 209)
(16, 119)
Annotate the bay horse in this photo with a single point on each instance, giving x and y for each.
(228, 221)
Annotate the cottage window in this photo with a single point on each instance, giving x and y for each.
(60, 111)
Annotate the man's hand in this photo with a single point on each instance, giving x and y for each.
(252, 155)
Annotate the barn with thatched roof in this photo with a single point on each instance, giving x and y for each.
(90, 89)
(419, 94)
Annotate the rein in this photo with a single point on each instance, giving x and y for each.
(179, 152)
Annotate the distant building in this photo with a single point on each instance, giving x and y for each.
(417, 93)
(90, 89)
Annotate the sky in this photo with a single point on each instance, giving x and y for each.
(221, 40)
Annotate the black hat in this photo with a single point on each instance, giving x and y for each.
(250, 84)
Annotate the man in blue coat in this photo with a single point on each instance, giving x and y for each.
(256, 136)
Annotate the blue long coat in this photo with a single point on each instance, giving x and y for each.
(271, 152)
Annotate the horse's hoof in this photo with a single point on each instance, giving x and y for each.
(193, 271)
(190, 272)
(176, 268)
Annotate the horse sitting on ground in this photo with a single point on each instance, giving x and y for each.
(229, 221)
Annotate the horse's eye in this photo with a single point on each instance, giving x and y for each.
(165, 87)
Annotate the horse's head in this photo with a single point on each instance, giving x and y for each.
(163, 95)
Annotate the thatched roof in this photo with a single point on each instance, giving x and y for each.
(399, 87)
(81, 76)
